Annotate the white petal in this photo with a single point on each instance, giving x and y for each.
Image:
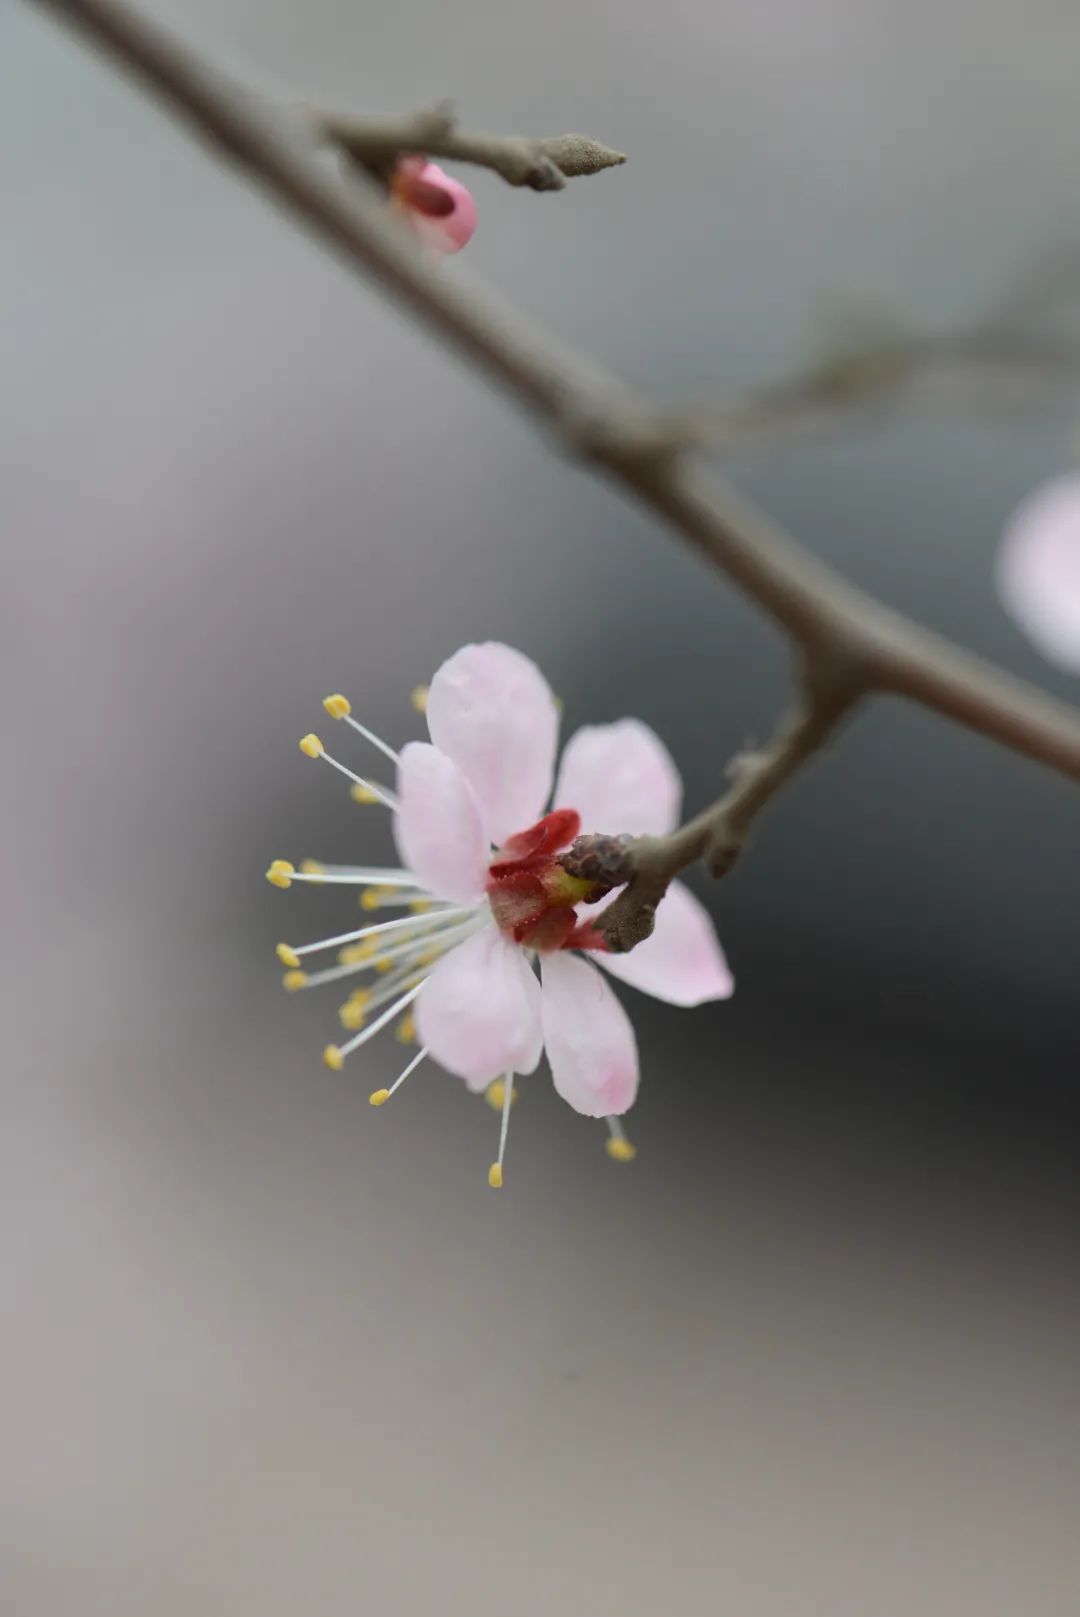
(479, 1011)
(437, 825)
(491, 710)
(681, 961)
(588, 1037)
(621, 779)
(1038, 570)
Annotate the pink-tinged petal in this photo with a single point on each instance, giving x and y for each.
(491, 710)
(681, 961)
(621, 779)
(590, 1043)
(437, 825)
(439, 208)
(1038, 570)
(479, 1011)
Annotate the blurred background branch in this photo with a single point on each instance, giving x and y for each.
(1018, 354)
(850, 643)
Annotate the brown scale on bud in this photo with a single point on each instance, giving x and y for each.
(602, 860)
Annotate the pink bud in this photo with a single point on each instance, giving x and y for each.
(1038, 569)
(440, 209)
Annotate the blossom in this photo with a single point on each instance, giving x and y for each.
(440, 209)
(1038, 570)
(494, 952)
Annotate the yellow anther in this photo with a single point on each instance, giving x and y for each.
(382, 964)
(406, 1029)
(338, 707)
(287, 956)
(362, 794)
(311, 746)
(354, 954)
(372, 897)
(281, 873)
(379, 1097)
(495, 1176)
(312, 867)
(619, 1148)
(420, 906)
(293, 980)
(495, 1094)
(353, 1015)
(333, 1058)
(419, 698)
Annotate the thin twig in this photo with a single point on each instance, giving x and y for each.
(981, 369)
(717, 835)
(866, 646)
(542, 164)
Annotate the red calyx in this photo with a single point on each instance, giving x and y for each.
(538, 842)
(586, 936)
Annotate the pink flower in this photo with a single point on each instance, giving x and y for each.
(440, 209)
(486, 901)
(1038, 571)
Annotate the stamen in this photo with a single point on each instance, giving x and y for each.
(420, 924)
(618, 1147)
(384, 898)
(355, 875)
(281, 874)
(417, 949)
(495, 1172)
(379, 1097)
(339, 707)
(312, 747)
(334, 1054)
(495, 1096)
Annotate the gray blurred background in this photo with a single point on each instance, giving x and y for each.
(267, 1351)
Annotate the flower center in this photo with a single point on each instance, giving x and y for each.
(532, 896)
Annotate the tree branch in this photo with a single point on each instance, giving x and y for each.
(865, 647)
(541, 164)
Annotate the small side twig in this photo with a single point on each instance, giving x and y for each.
(647, 865)
(541, 164)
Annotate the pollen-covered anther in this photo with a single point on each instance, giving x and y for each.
(495, 1094)
(352, 1015)
(617, 1146)
(292, 980)
(281, 873)
(312, 867)
(363, 794)
(495, 1176)
(288, 956)
(333, 1058)
(311, 746)
(338, 707)
(406, 1029)
(379, 1097)
(418, 698)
